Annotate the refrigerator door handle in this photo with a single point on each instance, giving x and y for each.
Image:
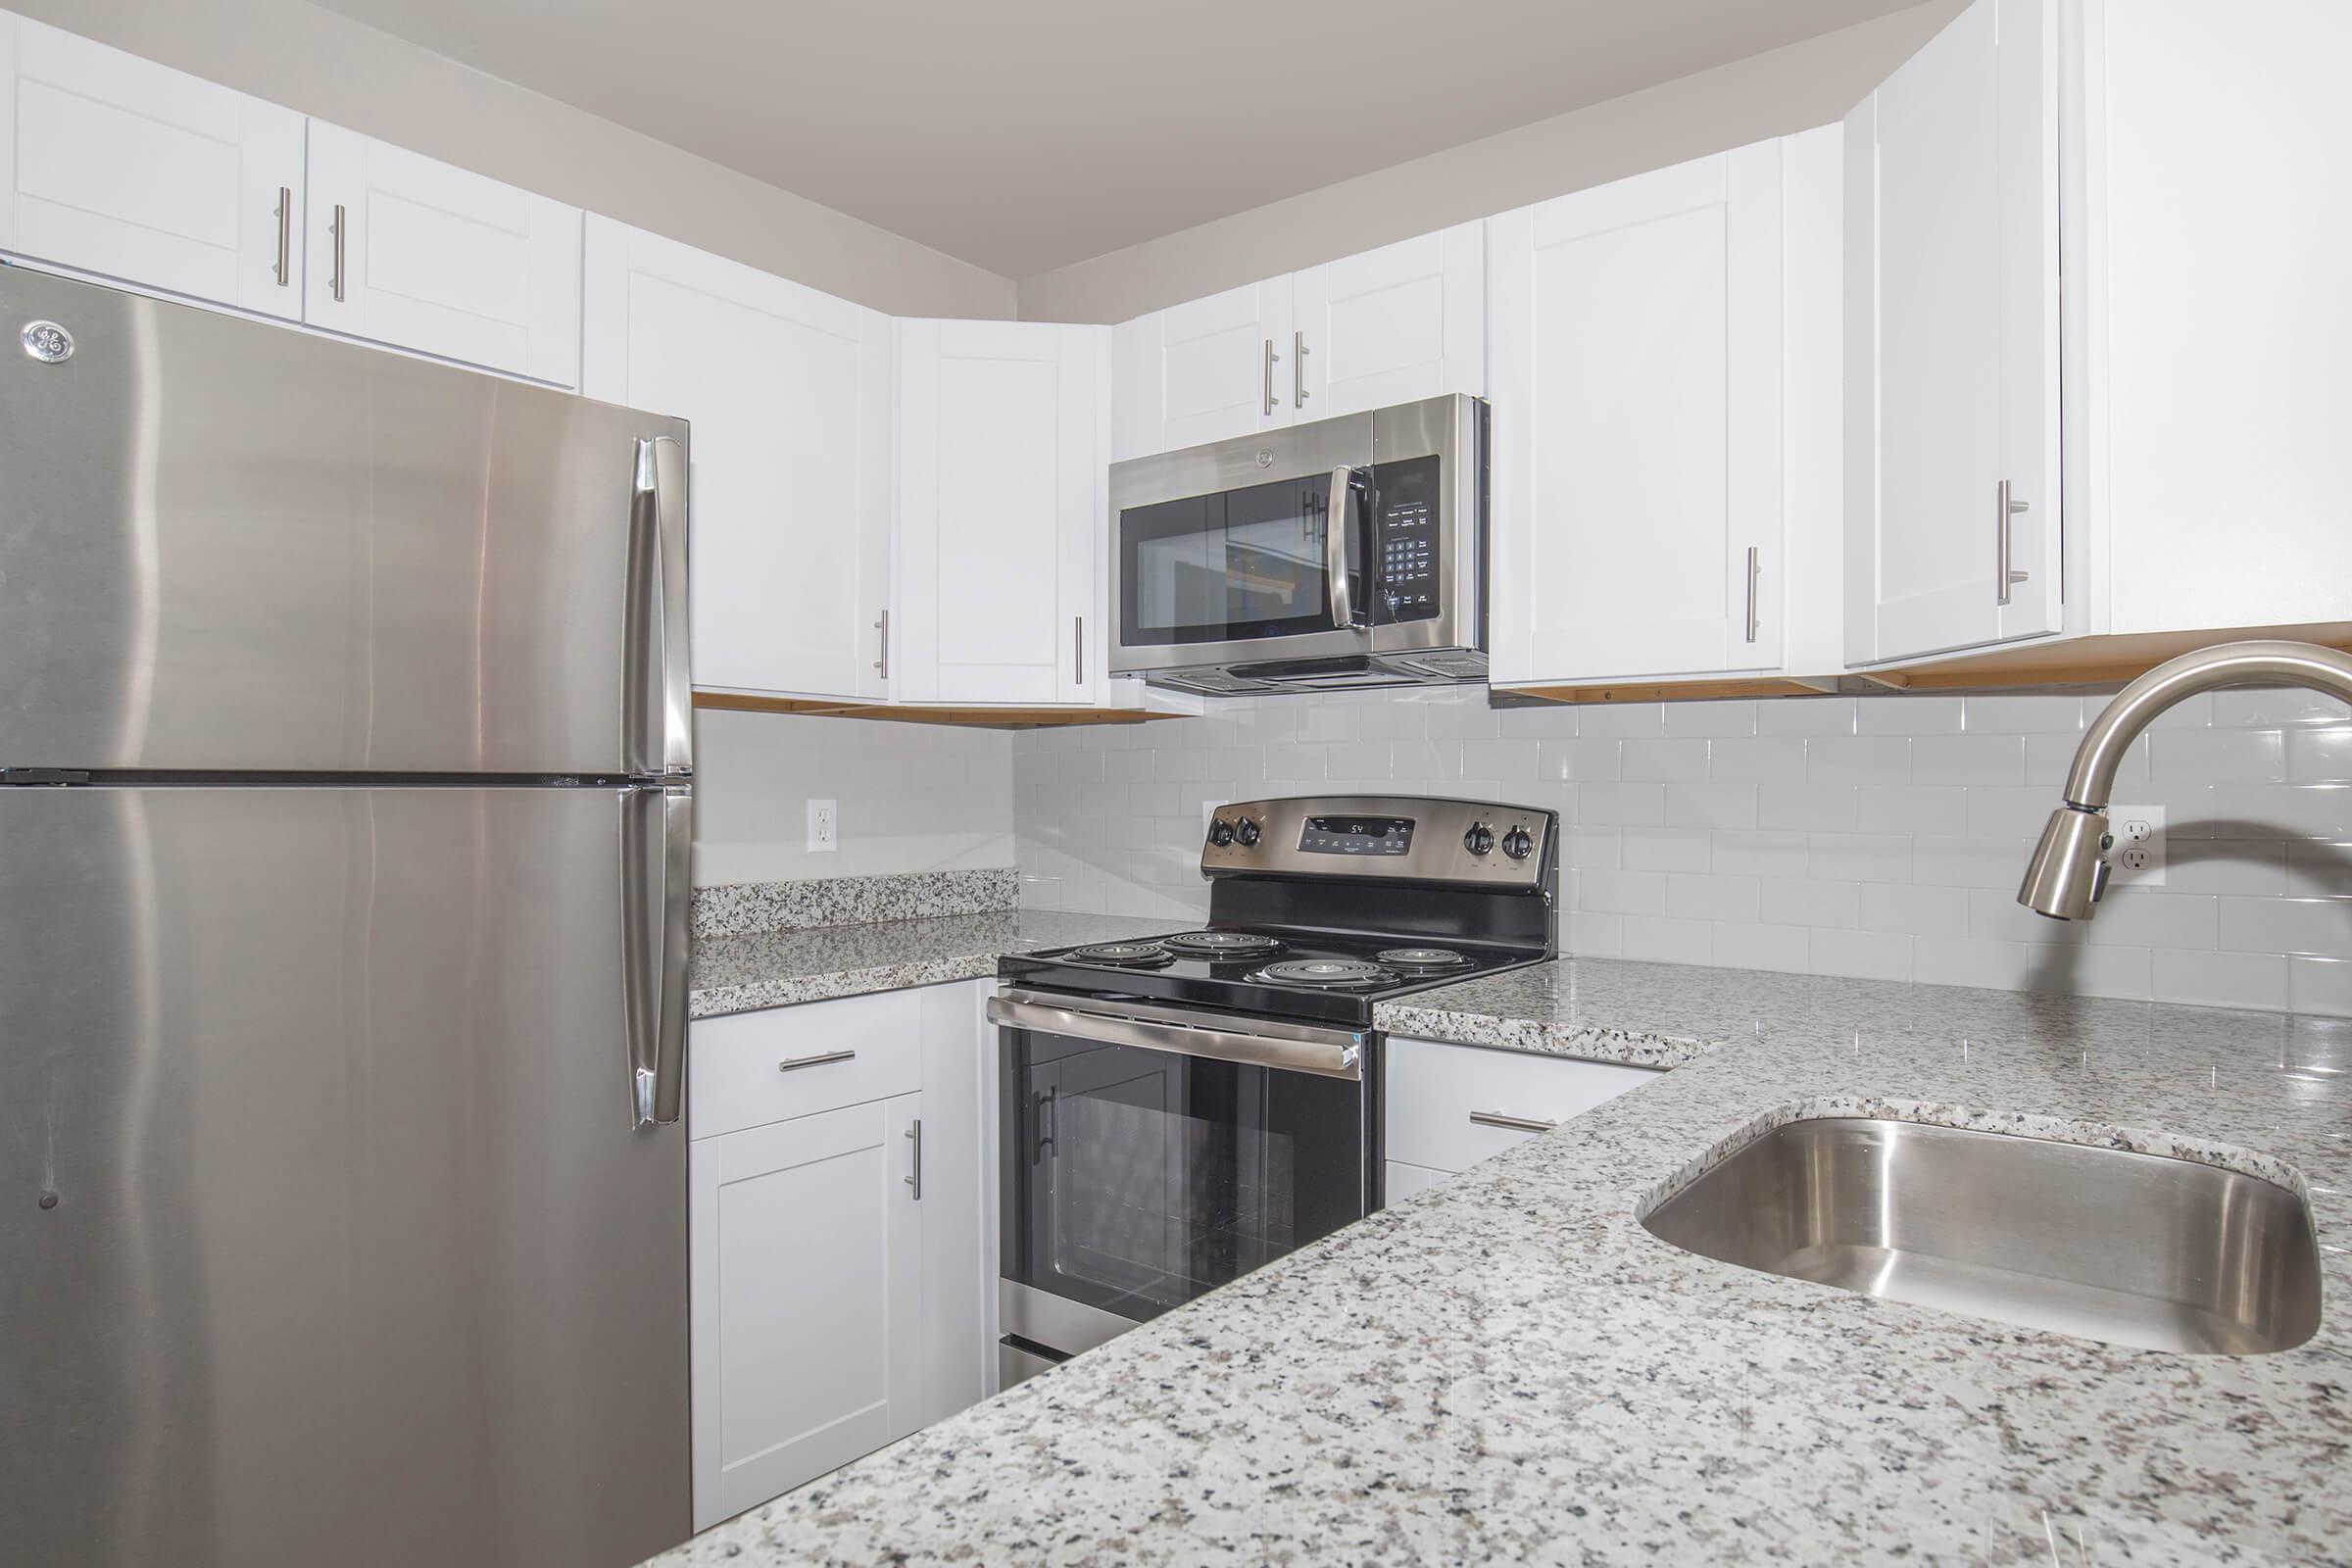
(659, 686)
(656, 839)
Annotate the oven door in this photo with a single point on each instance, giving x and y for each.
(1151, 1154)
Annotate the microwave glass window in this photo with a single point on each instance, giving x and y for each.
(1242, 572)
(1246, 563)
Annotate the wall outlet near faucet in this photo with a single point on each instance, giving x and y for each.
(824, 827)
(2138, 851)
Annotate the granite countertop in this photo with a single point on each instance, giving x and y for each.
(749, 970)
(1507, 1368)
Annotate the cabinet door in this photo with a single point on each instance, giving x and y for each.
(1000, 502)
(404, 250)
(1952, 340)
(120, 167)
(1638, 402)
(1392, 325)
(1208, 369)
(805, 1301)
(788, 394)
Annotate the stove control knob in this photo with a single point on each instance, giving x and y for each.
(1246, 832)
(1480, 839)
(1220, 832)
(1516, 844)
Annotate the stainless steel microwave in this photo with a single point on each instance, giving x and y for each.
(1348, 552)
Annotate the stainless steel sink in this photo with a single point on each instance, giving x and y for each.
(2137, 1249)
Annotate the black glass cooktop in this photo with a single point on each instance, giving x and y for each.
(1318, 975)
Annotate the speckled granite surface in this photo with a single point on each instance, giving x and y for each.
(773, 968)
(1507, 1368)
(740, 908)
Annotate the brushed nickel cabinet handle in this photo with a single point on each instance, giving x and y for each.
(882, 661)
(1751, 592)
(1078, 640)
(334, 278)
(285, 235)
(1299, 391)
(1272, 358)
(914, 1178)
(2004, 577)
(792, 1063)
(1516, 1124)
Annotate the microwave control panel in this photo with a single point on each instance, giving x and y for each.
(1404, 541)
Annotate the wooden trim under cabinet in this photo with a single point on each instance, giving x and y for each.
(975, 718)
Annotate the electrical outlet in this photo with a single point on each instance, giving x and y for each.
(2138, 855)
(824, 827)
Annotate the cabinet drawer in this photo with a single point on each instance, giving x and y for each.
(735, 1078)
(1433, 1089)
(1403, 1181)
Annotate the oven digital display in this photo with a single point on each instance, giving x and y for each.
(1356, 835)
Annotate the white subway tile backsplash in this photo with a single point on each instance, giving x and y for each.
(1667, 848)
(2320, 927)
(1662, 940)
(1510, 758)
(1710, 806)
(1876, 760)
(1799, 900)
(2025, 713)
(1757, 759)
(1862, 955)
(1785, 947)
(1908, 716)
(1683, 762)
(1622, 891)
(2220, 979)
(1968, 759)
(1805, 808)
(1692, 897)
(1622, 805)
(1879, 836)
(2193, 757)
(1712, 720)
(1806, 716)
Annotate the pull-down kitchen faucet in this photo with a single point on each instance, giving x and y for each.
(2069, 868)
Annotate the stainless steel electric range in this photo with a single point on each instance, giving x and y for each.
(1177, 1110)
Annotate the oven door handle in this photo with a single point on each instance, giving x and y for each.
(1335, 1056)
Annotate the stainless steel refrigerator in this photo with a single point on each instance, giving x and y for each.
(345, 802)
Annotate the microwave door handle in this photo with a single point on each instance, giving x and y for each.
(1339, 523)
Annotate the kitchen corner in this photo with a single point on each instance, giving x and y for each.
(770, 945)
(1511, 1367)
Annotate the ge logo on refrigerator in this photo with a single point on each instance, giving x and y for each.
(47, 342)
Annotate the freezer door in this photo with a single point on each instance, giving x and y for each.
(225, 545)
(328, 1229)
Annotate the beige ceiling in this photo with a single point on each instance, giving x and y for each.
(1025, 134)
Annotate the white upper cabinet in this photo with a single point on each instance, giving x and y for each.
(1639, 420)
(407, 251)
(1952, 386)
(1391, 326)
(1397, 324)
(788, 394)
(1003, 436)
(122, 167)
(1204, 370)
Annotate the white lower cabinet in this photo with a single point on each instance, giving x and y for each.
(1448, 1106)
(837, 1242)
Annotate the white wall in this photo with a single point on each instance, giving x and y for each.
(912, 796)
(1880, 836)
(1788, 90)
(324, 64)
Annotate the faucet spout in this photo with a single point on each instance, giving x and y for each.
(2069, 868)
